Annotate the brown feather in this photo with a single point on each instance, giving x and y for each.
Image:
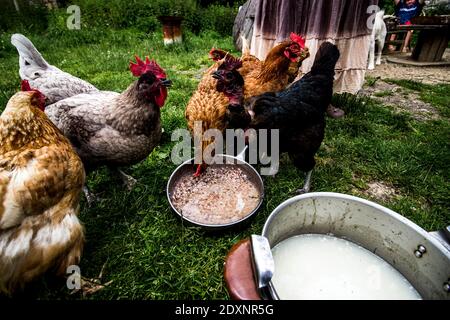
(273, 74)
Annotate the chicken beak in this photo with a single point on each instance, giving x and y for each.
(216, 75)
(166, 83)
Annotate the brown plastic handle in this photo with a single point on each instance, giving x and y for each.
(238, 272)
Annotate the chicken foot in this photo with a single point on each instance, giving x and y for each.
(92, 285)
(128, 180)
(90, 197)
(307, 184)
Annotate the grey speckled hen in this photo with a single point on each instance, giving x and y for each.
(115, 129)
(108, 128)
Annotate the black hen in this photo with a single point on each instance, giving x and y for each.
(299, 111)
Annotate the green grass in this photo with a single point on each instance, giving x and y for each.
(384, 93)
(147, 251)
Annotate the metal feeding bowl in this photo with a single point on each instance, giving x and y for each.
(188, 168)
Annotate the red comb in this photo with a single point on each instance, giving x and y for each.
(298, 39)
(141, 67)
(217, 54)
(25, 85)
(231, 63)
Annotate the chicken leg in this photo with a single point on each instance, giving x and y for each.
(200, 169)
(90, 197)
(128, 180)
(91, 285)
(307, 184)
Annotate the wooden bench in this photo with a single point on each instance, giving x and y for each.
(434, 34)
(431, 42)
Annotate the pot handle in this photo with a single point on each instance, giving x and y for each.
(263, 264)
(241, 155)
(443, 236)
(238, 272)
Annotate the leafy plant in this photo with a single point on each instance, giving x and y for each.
(219, 18)
(176, 7)
(29, 16)
(437, 8)
(387, 5)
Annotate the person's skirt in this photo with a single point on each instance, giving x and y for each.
(346, 23)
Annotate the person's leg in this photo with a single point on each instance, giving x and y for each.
(405, 47)
(391, 46)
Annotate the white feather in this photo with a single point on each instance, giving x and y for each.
(58, 234)
(19, 245)
(54, 83)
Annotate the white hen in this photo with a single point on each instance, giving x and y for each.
(54, 83)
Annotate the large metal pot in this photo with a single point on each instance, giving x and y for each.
(421, 257)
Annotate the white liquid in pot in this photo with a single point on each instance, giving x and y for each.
(322, 267)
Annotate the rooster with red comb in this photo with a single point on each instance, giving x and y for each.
(277, 71)
(115, 129)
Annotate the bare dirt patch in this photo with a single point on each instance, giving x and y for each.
(381, 191)
(428, 75)
(400, 99)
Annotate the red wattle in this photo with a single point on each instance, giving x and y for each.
(161, 98)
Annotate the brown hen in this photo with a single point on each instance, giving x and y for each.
(207, 106)
(41, 179)
(277, 71)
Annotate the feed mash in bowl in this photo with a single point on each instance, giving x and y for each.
(222, 194)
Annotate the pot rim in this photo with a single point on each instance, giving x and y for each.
(427, 235)
(369, 203)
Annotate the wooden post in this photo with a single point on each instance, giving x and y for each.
(171, 29)
(243, 23)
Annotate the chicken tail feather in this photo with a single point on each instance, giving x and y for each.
(245, 46)
(35, 247)
(29, 56)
